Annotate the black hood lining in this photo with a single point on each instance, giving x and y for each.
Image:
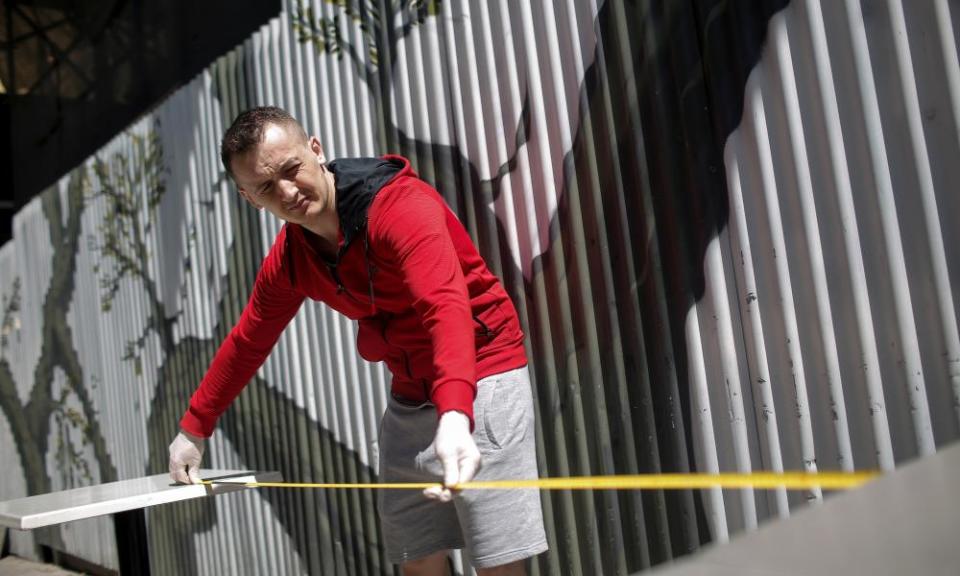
(358, 180)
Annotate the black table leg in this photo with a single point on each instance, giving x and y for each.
(133, 550)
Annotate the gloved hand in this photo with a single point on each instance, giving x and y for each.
(186, 452)
(456, 451)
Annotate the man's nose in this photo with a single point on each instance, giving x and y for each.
(288, 190)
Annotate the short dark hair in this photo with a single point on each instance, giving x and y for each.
(247, 131)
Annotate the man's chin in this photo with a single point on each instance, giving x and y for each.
(311, 213)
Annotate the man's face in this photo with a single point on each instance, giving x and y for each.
(283, 174)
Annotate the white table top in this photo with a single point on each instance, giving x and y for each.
(90, 501)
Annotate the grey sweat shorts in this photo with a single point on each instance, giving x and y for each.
(495, 526)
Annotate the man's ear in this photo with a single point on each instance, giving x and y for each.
(317, 149)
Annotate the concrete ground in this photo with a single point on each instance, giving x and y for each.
(906, 522)
(14, 566)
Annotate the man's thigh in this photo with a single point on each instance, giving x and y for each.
(503, 526)
(413, 526)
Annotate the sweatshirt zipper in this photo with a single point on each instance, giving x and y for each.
(341, 289)
(486, 332)
(371, 270)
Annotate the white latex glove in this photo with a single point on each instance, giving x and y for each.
(456, 451)
(186, 452)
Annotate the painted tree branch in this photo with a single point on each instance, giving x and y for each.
(57, 351)
(56, 326)
(31, 459)
(132, 186)
(11, 306)
(326, 33)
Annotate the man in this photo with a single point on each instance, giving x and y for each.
(376, 243)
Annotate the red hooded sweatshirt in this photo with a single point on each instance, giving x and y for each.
(406, 270)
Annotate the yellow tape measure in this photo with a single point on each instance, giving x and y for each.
(760, 480)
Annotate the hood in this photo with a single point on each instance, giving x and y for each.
(358, 180)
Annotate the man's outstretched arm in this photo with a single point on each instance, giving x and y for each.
(412, 226)
(272, 305)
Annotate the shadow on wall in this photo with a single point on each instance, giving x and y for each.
(645, 182)
(333, 532)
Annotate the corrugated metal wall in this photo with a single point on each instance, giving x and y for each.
(726, 227)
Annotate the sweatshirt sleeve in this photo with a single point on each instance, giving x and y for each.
(272, 304)
(411, 225)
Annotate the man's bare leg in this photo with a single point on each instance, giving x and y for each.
(433, 565)
(437, 564)
(517, 568)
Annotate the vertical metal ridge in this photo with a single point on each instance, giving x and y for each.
(787, 308)
(928, 199)
(755, 336)
(851, 235)
(948, 45)
(546, 372)
(606, 327)
(652, 274)
(594, 400)
(701, 406)
(913, 370)
(471, 135)
(618, 227)
(781, 44)
(719, 302)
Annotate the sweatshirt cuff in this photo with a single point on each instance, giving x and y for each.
(454, 395)
(193, 424)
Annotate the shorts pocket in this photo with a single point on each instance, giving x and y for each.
(505, 420)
